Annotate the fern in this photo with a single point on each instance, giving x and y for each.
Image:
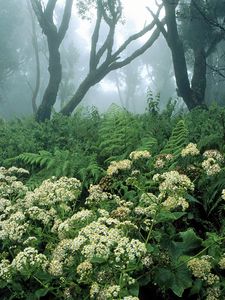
(92, 173)
(60, 163)
(148, 143)
(178, 140)
(118, 134)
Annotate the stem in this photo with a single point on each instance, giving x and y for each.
(199, 253)
(150, 230)
(39, 281)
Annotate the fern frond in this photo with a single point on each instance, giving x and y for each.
(148, 143)
(178, 139)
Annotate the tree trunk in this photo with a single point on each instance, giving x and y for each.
(88, 82)
(198, 82)
(55, 73)
(177, 50)
(55, 35)
(193, 94)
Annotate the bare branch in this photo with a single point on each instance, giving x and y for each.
(37, 7)
(217, 70)
(94, 40)
(159, 24)
(37, 60)
(138, 52)
(133, 38)
(50, 8)
(65, 20)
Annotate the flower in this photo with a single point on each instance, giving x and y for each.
(211, 166)
(222, 262)
(51, 191)
(116, 166)
(223, 194)
(213, 293)
(174, 202)
(200, 267)
(173, 182)
(190, 150)
(94, 290)
(55, 268)
(29, 259)
(84, 271)
(136, 155)
(213, 154)
(5, 270)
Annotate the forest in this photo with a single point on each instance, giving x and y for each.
(112, 149)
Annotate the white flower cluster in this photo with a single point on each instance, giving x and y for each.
(9, 185)
(74, 223)
(223, 194)
(116, 166)
(222, 262)
(27, 259)
(5, 270)
(94, 290)
(97, 197)
(212, 161)
(173, 202)
(173, 182)
(13, 171)
(12, 230)
(162, 159)
(98, 240)
(89, 240)
(62, 256)
(211, 166)
(147, 205)
(213, 154)
(190, 150)
(129, 251)
(84, 270)
(38, 214)
(51, 191)
(213, 293)
(201, 268)
(112, 292)
(136, 155)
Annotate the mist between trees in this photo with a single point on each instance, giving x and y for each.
(47, 64)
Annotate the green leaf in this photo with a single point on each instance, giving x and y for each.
(134, 289)
(167, 216)
(190, 241)
(181, 281)
(177, 280)
(41, 292)
(189, 245)
(196, 287)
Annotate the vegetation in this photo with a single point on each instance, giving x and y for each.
(151, 194)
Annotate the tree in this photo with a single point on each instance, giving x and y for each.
(36, 88)
(203, 36)
(105, 59)
(10, 39)
(55, 37)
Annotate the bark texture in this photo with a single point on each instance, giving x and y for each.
(54, 38)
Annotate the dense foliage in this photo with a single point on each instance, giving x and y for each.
(114, 206)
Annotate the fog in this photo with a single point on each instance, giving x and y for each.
(126, 86)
